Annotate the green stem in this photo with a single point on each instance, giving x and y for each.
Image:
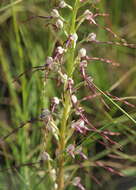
(71, 51)
(67, 105)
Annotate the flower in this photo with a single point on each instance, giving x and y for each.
(74, 38)
(56, 100)
(91, 37)
(82, 52)
(79, 151)
(62, 4)
(88, 14)
(70, 149)
(59, 24)
(76, 182)
(49, 62)
(55, 13)
(73, 151)
(60, 50)
(80, 126)
(45, 156)
(74, 99)
(45, 115)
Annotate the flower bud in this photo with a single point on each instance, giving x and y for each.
(88, 13)
(80, 126)
(70, 81)
(74, 99)
(56, 100)
(79, 111)
(62, 4)
(74, 38)
(45, 156)
(91, 37)
(60, 50)
(49, 60)
(59, 24)
(82, 52)
(76, 181)
(70, 150)
(55, 13)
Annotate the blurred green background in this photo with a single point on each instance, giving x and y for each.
(25, 44)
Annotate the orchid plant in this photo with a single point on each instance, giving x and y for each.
(66, 122)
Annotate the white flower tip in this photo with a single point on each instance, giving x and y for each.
(60, 50)
(76, 181)
(55, 13)
(56, 100)
(91, 37)
(49, 60)
(65, 77)
(88, 13)
(82, 52)
(74, 99)
(62, 4)
(74, 37)
(70, 80)
(59, 23)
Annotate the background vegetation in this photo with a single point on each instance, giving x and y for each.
(27, 44)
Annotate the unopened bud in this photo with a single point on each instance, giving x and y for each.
(59, 23)
(55, 13)
(82, 52)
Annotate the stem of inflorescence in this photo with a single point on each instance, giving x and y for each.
(66, 104)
